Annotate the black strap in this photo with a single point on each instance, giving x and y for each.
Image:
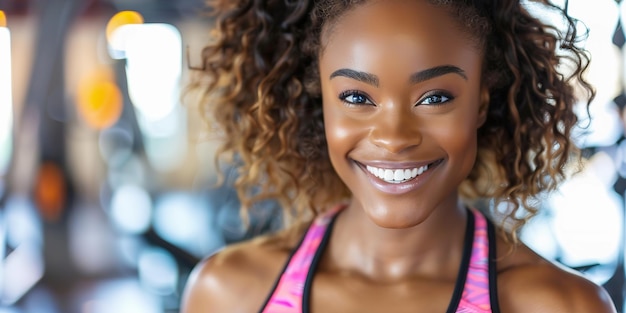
(306, 293)
(468, 244)
(291, 254)
(493, 280)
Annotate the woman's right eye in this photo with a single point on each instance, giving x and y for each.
(354, 97)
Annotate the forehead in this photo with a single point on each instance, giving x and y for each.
(412, 33)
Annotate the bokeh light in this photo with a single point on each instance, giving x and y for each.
(20, 240)
(158, 271)
(153, 68)
(121, 19)
(50, 191)
(182, 219)
(153, 55)
(6, 98)
(3, 19)
(116, 145)
(92, 243)
(99, 99)
(124, 295)
(131, 209)
(131, 171)
(115, 34)
(23, 267)
(130, 247)
(22, 222)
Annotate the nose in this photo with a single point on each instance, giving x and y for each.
(396, 131)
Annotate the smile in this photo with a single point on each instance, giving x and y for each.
(397, 176)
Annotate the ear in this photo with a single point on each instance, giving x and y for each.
(484, 105)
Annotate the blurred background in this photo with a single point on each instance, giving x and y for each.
(106, 195)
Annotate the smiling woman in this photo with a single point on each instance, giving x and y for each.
(375, 123)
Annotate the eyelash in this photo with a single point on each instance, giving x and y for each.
(436, 93)
(354, 93)
(444, 97)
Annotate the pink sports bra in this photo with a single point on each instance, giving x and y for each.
(474, 292)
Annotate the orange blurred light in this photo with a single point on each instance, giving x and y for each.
(120, 19)
(99, 100)
(3, 19)
(50, 190)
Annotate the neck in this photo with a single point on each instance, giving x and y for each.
(433, 247)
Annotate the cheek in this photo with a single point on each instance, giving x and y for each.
(338, 132)
(459, 138)
(337, 129)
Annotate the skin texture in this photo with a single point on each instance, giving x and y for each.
(394, 248)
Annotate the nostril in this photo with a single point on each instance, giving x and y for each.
(394, 139)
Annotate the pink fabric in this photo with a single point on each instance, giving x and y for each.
(475, 298)
(287, 296)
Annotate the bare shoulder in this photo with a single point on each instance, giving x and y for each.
(239, 277)
(529, 283)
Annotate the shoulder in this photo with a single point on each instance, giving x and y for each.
(239, 277)
(529, 283)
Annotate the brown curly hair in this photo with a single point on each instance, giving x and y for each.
(259, 86)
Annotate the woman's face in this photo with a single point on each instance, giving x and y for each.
(401, 87)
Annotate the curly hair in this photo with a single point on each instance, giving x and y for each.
(259, 85)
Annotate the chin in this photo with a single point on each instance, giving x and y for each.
(397, 218)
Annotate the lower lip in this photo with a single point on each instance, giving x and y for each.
(400, 188)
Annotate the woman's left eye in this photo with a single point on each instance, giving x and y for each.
(353, 97)
(435, 99)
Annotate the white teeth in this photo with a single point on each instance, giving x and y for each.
(388, 175)
(407, 173)
(397, 175)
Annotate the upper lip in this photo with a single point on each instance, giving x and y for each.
(396, 165)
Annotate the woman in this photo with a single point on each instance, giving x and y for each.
(382, 120)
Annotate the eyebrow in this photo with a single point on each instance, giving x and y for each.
(436, 72)
(364, 77)
(416, 78)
